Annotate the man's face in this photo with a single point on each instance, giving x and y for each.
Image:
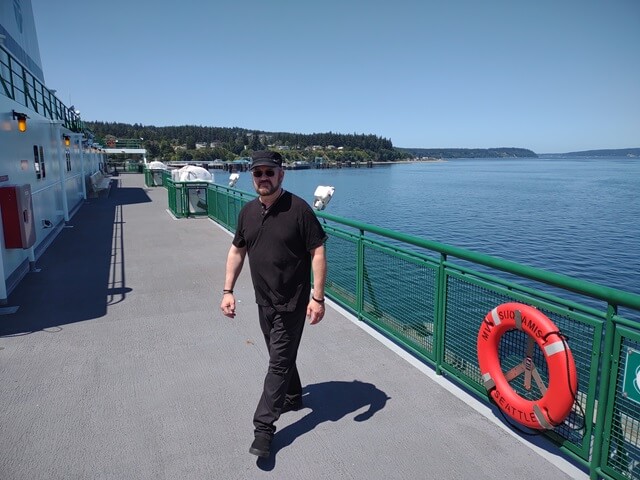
(267, 180)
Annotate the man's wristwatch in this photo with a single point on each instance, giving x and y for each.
(316, 299)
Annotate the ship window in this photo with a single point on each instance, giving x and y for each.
(44, 171)
(36, 162)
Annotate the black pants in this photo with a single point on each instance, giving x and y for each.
(282, 332)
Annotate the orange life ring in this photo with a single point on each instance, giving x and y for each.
(558, 397)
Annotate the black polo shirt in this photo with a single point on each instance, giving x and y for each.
(278, 242)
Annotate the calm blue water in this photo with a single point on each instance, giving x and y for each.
(578, 216)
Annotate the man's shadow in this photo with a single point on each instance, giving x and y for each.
(328, 401)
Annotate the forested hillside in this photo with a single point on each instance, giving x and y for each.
(179, 142)
(470, 152)
(620, 152)
(192, 142)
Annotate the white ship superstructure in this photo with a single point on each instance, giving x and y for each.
(46, 155)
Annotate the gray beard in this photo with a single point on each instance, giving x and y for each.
(271, 189)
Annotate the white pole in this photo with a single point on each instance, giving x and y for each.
(63, 177)
(84, 180)
(32, 259)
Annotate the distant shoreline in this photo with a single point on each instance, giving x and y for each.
(418, 160)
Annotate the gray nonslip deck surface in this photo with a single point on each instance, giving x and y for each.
(119, 365)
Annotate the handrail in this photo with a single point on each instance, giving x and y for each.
(22, 86)
(124, 143)
(583, 287)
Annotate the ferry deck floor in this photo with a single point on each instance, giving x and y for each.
(119, 365)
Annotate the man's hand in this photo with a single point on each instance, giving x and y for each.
(228, 305)
(315, 311)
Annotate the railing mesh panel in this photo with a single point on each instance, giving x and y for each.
(399, 295)
(466, 306)
(341, 275)
(580, 338)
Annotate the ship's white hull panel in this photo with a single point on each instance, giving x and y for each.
(58, 192)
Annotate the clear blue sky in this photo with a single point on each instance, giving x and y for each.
(550, 75)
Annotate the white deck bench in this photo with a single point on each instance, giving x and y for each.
(99, 182)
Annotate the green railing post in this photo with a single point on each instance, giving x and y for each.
(360, 275)
(13, 87)
(440, 311)
(184, 199)
(605, 374)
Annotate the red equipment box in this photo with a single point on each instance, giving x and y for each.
(17, 216)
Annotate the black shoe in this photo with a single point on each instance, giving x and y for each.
(292, 405)
(261, 447)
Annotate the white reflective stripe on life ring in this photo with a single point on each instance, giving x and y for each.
(554, 348)
(495, 316)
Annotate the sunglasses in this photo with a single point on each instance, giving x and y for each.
(260, 173)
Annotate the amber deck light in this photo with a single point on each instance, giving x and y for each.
(22, 120)
(67, 140)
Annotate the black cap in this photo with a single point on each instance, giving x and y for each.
(265, 158)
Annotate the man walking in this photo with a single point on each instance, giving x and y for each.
(285, 243)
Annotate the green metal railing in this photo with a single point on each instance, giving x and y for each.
(133, 167)
(19, 84)
(125, 143)
(156, 177)
(187, 199)
(431, 298)
(225, 204)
